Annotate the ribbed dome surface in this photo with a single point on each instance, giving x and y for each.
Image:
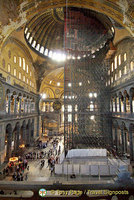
(47, 31)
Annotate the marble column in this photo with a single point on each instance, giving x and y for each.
(119, 104)
(112, 105)
(30, 102)
(115, 104)
(49, 107)
(24, 99)
(9, 102)
(131, 144)
(28, 133)
(125, 143)
(131, 106)
(20, 101)
(15, 97)
(116, 138)
(27, 105)
(125, 104)
(122, 139)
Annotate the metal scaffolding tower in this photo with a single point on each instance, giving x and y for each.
(86, 99)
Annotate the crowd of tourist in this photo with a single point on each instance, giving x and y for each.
(19, 170)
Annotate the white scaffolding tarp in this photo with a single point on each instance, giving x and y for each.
(86, 153)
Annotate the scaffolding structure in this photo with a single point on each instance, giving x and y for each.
(86, 99)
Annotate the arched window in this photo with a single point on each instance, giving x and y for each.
(20, 61)
(24, 64)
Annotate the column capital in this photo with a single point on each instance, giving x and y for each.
(15, 96)
(20, 97)
(9, 94)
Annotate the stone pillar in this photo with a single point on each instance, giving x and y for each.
(9, 102)
(32, 132)
(125, 142)
(28, 133)
(120, 104)
(20, 101)
(24, 99)
(131, 144)
(17, 136)
(131, 106)
(115, 104)
(30, 102)
(15, 97)
(122, 139)
(112, 105)
(9, 142)
(116, 138)
(124, 104)
(27, 105)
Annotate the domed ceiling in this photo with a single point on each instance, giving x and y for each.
(47, 32)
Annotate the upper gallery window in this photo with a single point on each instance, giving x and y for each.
(120, 74)
(112, 67)
(9, 68)
(131, 65)
(119, 59)
(20, 61)
(14, 59)
(115, 62)
(125, 56)
(27, 68)
(125, 69)
(24, 64)
(14, 72)
(69, 108)
(19, 75)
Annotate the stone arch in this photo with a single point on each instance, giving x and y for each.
(49, 91)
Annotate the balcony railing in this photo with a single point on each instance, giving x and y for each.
(17, 115)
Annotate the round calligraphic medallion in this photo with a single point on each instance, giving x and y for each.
(56, 105)
(1, 94)
(42, 192)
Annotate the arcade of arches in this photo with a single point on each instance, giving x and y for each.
(35, 97)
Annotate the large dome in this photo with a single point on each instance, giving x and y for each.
(85, 31)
